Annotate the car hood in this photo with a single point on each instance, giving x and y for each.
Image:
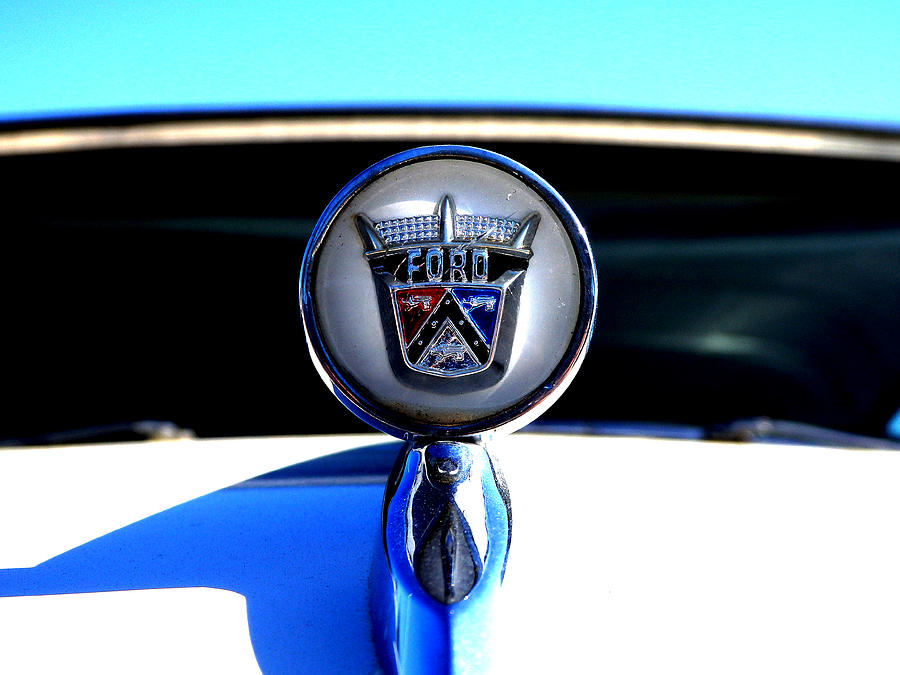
(628, 555)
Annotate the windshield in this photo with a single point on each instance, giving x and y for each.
(837, 62)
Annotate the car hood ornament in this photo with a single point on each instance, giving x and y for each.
(448, 293)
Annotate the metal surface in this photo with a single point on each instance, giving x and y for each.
(447, 529)
(447, 293)
(430, 128)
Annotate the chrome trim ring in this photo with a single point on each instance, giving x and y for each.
(422, 404)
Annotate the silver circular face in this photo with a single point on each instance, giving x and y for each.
(447, 291)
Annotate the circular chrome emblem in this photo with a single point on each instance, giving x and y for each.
(447, 291)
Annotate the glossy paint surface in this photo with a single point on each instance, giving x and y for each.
(678, 555)
(785, 60)
(297, 555)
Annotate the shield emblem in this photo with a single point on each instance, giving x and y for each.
(447, 275)
(448, 330)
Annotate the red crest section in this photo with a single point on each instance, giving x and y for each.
(414, 305)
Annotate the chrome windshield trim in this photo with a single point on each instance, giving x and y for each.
(428, 128)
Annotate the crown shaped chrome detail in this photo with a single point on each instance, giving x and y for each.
(446, 226)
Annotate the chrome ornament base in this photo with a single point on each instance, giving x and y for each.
(447, 528)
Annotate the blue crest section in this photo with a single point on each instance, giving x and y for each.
(482, 305)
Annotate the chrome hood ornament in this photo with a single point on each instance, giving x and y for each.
(448, 293)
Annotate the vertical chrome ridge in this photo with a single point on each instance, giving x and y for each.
(368, 233)
(447, 212)
(446, 534)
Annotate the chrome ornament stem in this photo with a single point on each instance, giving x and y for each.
(446, 535)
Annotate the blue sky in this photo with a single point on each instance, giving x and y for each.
(834, 61)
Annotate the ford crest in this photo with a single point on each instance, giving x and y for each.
(447, 275)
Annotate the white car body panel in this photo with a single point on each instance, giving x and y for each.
(635, 556)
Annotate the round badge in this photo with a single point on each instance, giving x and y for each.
(447, 292)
